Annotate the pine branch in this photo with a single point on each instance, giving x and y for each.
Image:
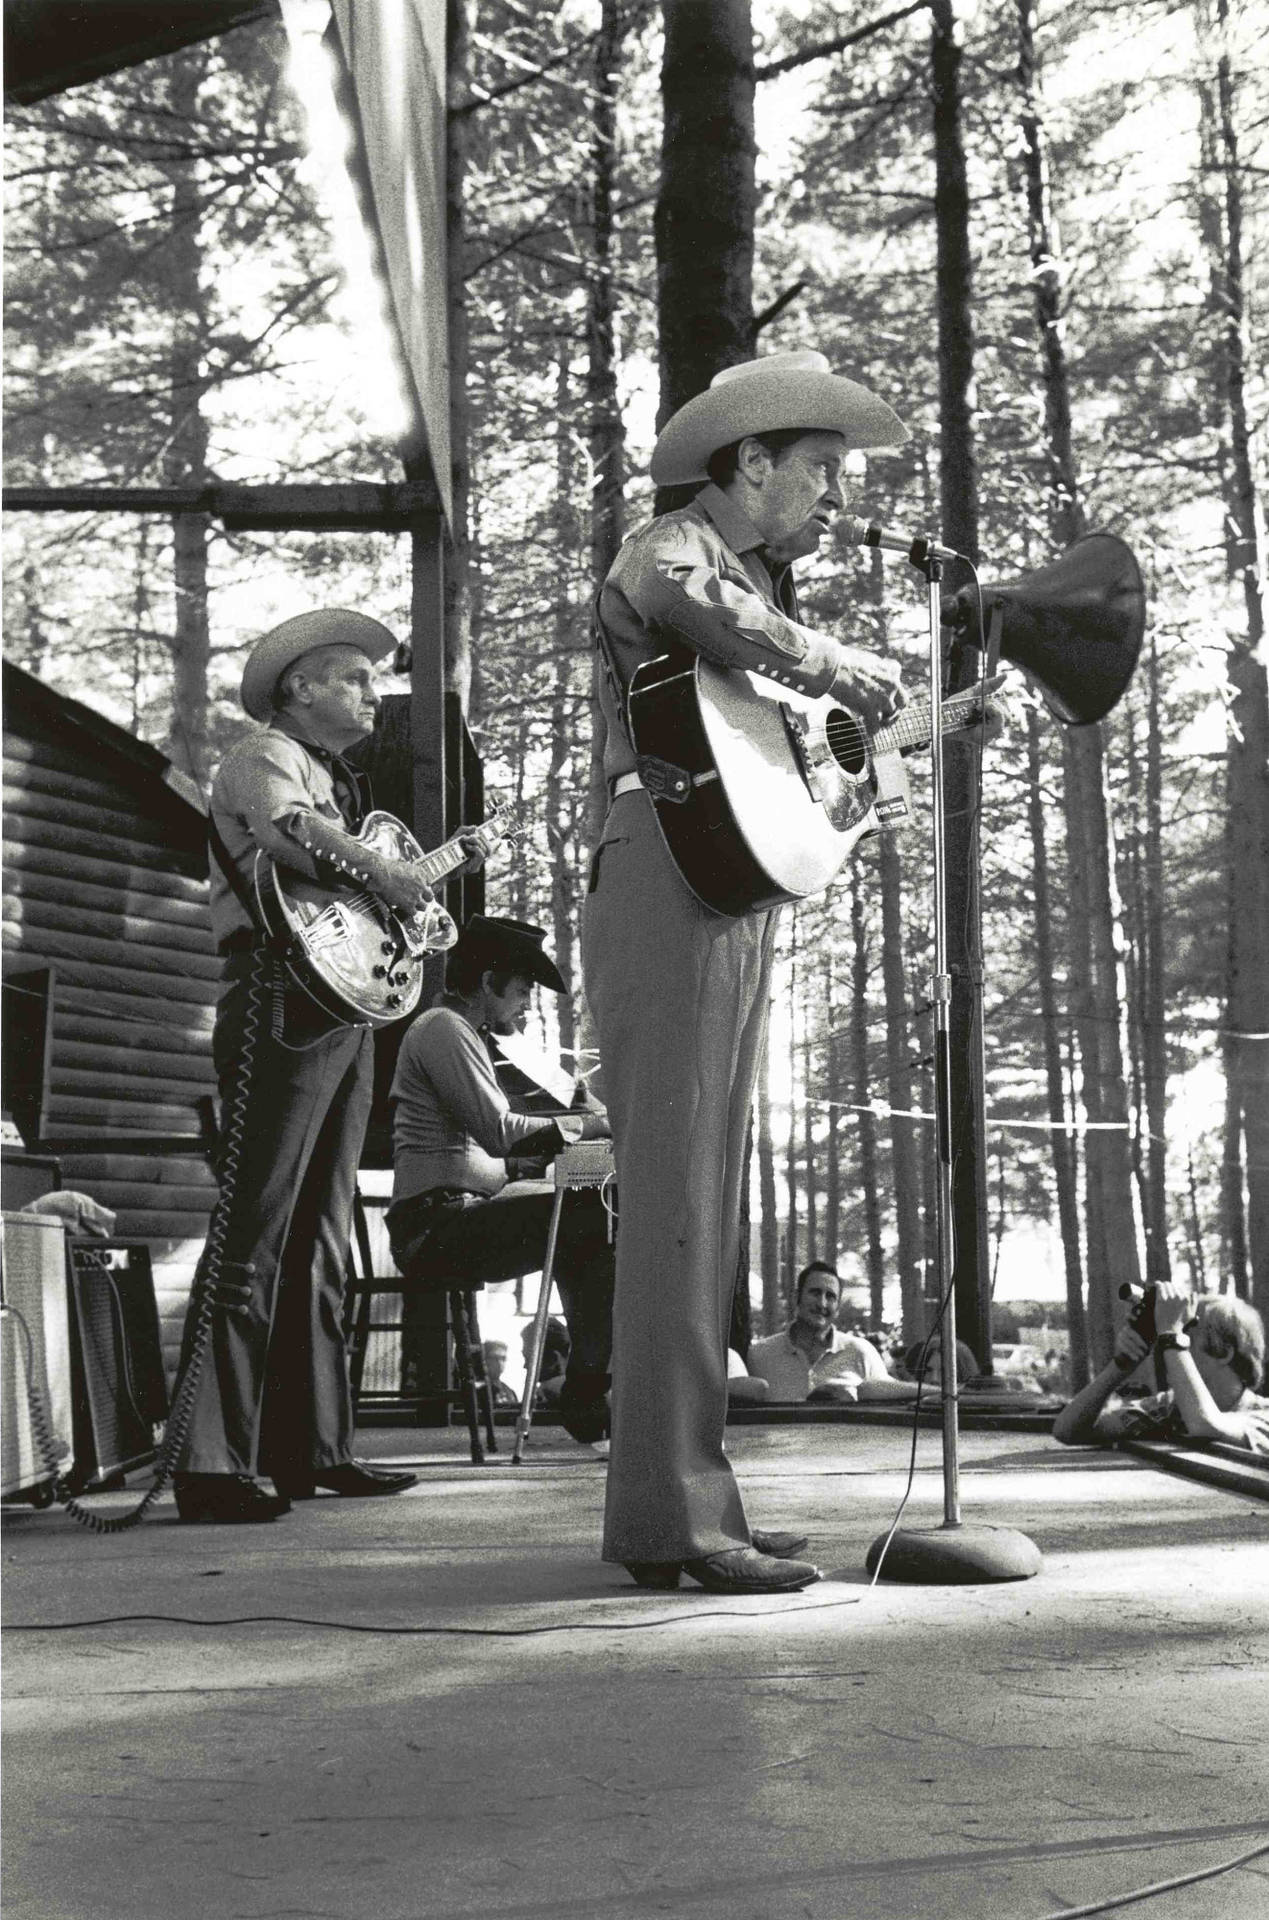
(489, 95)
(778, 305)
(823, 48)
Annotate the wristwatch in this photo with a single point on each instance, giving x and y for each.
(1173, 1343)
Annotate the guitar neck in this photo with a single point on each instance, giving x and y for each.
(911, 727)
(442, 860)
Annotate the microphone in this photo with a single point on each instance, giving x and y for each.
(918, 549)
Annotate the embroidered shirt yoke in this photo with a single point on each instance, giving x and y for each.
(698, 576)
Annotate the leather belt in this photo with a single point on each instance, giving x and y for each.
(631, 782)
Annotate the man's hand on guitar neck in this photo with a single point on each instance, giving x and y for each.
(868, 686)
(474, 848)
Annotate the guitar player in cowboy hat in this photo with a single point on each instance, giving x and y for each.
(272, 1395)
(680, 993)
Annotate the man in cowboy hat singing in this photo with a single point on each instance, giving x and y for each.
(680, 993)
(272, 1392)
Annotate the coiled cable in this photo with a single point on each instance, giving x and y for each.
(265, 974)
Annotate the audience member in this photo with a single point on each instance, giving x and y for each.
(556, 1347)
(1211, 1348)
(741, 1385)
(812, 1359)
(931, 1369)
(495, 1352)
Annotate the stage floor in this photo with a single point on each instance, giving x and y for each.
(491, 1723)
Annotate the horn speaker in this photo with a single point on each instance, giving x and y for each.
(1075, 627)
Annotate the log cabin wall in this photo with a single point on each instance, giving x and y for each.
(105, 884)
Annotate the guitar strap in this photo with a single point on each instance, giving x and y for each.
(608, 667)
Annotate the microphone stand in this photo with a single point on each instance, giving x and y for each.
(953, 1554)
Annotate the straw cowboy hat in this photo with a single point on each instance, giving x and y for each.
(490, 941)
(282, 646)
(767, 396)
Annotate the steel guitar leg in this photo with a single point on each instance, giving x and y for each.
(533, 1366)
(461, 1317)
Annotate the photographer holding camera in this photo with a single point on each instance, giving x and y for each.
(1211, 1349)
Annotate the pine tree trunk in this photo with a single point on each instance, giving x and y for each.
(1093, 932)
(1110, 1214)
(1062, 1145)
(809, 1157)
(958, 488)
(1153, 995)
(705, 208)
(791, 1261)
(607, 434)
(836, 1130)
(457, 555)
(1247, 675)
(910, 1144)
(559, 823)
(862, 1089)
(185, 462)
(770, 1230)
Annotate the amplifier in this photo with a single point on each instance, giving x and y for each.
(35, 1359)
(119, 1390)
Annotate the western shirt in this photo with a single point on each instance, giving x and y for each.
(847, 1359)
(699, 576)
(264, 781)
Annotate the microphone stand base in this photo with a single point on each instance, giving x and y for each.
(956, 1556)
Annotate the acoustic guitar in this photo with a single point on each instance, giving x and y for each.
(761, 792)
(360, 960)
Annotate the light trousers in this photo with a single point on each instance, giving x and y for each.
(679, 996)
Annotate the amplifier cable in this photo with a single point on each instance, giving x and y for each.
(207, 1296)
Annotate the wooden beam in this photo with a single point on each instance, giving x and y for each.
(50, 45)
(352, 507)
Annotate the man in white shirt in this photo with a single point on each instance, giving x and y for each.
(813, 1358)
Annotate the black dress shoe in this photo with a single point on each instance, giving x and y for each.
(661, 1575)
(351, 1479)
(778, 1546)
(743, 1570)
(583, 1406)
(586, 1424)
(230, 1499)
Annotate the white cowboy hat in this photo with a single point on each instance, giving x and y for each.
(283, 645)
(766, 396)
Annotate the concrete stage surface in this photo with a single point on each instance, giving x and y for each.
(491, 1723)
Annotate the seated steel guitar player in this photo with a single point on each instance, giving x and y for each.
(272, 1395)
(679, 990)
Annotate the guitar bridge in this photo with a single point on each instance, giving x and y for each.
(331, 928)
(814, 767)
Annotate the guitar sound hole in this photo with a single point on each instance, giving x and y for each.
(846, 741)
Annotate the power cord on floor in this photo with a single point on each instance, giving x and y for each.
(1156, 1887)
(604, 1626)
(426, 1632)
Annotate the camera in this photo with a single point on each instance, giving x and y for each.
(1141, 1319)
